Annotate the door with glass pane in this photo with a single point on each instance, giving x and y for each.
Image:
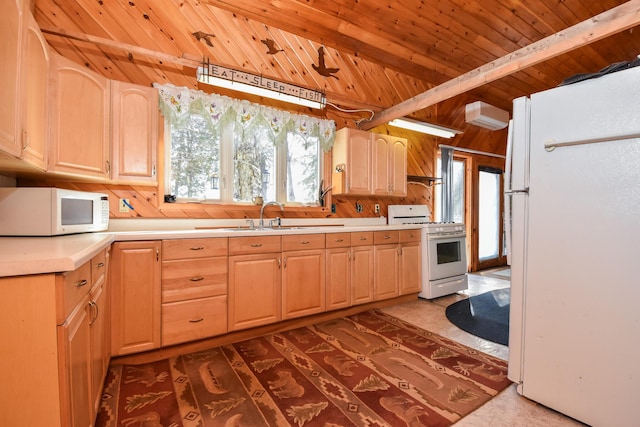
(490, 249)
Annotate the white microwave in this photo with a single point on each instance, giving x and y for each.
(43, 211)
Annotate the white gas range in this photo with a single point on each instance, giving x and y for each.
(444, 254)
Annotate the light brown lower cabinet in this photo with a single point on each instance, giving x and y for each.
(362, 262)
(410, 262)
(303, 275)
(135, 297)
(386, 254)
(254, 290)
(338, 276)
(54, 325)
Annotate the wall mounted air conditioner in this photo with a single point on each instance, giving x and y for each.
(485, 115)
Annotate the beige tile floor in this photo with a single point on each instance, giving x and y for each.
(506, 409)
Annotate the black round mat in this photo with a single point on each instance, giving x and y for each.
(485, 315)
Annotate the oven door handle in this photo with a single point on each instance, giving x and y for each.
(445, 236)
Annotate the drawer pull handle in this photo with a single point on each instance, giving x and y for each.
(100, 264)
(256, 245)
(363, 238)
(304, 242)
(339, 240)
(196, 320)
(197, 248)
(387, 237)
(81, 283)
(197, 279)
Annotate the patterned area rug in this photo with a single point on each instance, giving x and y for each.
(369, 369)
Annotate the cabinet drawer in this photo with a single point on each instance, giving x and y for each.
(254, 245)
(299, 242)
(362, 238)
(410, 235)
(338, 240)
(98, 266)
(71, 287)
(386, 237)
(193, 278)
(194, 248)
(194, 319)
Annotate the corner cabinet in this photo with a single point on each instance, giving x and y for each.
(135, 297)
(366, 163)
(55, 328)
(80, 112)
(134, 133)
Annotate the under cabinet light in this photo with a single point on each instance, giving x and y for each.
(242, 81)
(423, 127)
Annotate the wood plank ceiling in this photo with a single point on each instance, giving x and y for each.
(385, 51)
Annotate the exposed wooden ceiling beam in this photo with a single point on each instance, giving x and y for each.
(600, 26)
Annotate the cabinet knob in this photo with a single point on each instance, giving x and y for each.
(81, 283)
(197, 279)
(100, 264)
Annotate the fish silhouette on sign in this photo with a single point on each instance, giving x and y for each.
(271, 45)
(199, 35)
(321, 68)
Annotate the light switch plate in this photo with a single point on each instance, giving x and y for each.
(123, 206)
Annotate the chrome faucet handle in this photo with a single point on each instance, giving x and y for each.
(252, 225)
(277, 222)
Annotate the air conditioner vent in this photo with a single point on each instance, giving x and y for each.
(485, 115)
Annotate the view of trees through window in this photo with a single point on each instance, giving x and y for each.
(241, 164)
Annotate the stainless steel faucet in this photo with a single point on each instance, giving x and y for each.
(261, 223)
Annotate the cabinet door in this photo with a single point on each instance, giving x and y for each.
(99, 351)
(303, 283)
(398, 167)
(11, 25)
(254, 290)
(386, 271)
(381, 165)
(134, 137)
(135, 297)
(75, 367)
(338, 278)
(410, 271)
(80, 120)
(352, 154)
(361, 274)
(35, 89)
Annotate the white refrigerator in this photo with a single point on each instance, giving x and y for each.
(573, 196)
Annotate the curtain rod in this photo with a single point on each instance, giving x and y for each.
(468, 150)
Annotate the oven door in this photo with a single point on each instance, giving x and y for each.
(447, 255)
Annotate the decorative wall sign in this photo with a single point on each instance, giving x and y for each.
(239, 80)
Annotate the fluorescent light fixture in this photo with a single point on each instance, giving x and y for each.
(242, 81)
(424, 127)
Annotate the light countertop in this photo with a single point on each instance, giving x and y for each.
(38, 255)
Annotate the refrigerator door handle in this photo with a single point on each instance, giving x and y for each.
(521, 191)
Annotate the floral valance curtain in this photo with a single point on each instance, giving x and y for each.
(177, 102)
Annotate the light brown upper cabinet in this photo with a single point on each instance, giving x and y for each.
(134, 133)
(35, 88)
(80, 112)
(11, 34)
(366, 163)
(389, 159)
(352, 162)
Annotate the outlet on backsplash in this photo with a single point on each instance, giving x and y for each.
(359, 207)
